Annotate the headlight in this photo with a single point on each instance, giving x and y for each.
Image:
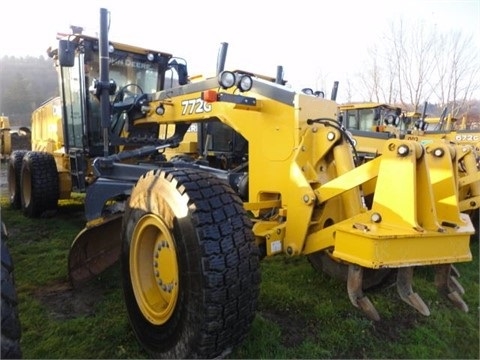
(226, 79)
(245, 83)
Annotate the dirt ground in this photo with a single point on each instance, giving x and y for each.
(64, 302)
(61, 300)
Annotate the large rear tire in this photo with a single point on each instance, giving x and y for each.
(11, 330)
(14, 173)
(191, 274)
(323, 261)
(39, 184)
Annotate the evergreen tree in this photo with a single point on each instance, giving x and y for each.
(25, 83)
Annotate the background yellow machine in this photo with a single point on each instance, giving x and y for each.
(275, 175)
(372, 124)
(5, 139)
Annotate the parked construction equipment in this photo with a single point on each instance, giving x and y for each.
(190, 233)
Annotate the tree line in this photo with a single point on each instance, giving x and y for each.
(413, 64)
(25, 84)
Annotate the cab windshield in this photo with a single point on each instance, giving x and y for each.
(130, 71)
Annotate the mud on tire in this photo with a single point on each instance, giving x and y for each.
(11, 330)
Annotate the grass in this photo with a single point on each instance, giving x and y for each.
(301, 314)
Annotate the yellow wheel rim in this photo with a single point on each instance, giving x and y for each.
(154, 269)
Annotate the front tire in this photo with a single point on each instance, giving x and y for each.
(40, 185)
(190, 265)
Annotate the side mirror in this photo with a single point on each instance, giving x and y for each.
(66, 53)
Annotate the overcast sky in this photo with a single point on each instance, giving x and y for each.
(314, 41)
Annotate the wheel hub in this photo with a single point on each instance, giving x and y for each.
(154, 269)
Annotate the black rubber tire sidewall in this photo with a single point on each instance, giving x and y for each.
(214, 240)
(11, 329)
(14, 173)
(41, 169)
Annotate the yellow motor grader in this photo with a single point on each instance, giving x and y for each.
(190, 234)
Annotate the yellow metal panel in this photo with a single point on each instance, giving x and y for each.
(444, 184)
(47, 128)
(405, 248)
(5, 138)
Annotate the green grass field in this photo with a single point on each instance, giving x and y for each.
(301, 314)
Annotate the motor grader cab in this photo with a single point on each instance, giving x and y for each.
(190, 242)
(370, 124)
(67, 132)
(370, 116)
